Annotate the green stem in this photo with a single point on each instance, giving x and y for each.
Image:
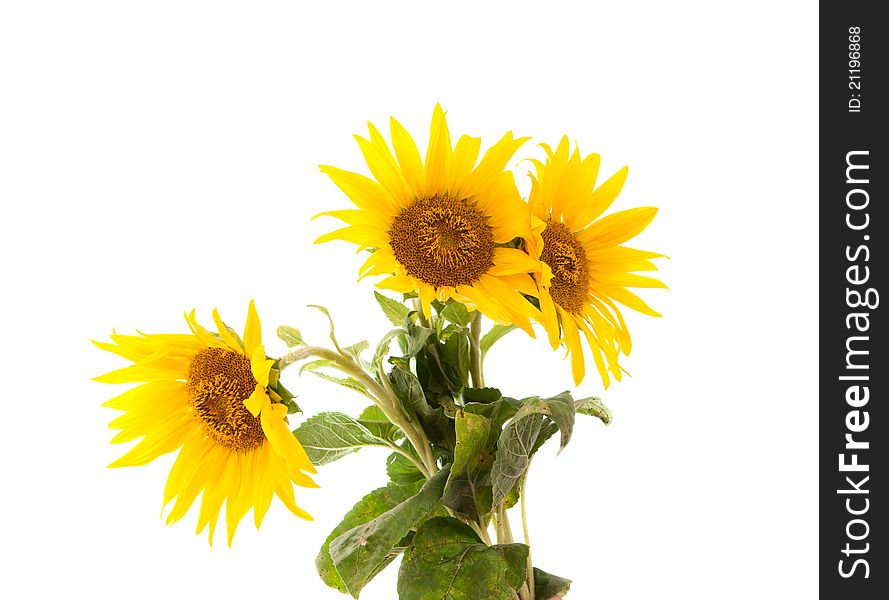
(482, 530)
(421, 466)
(530, 575)
(421, 316)
(475, 353)
(381, 396)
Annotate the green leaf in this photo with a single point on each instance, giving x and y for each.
(379, 424)
(547, 586)
(490, 338)
(437, 426)
(313, 365)
(560, 409)
(456, 354)
(368, 508)
(409, 391)
(348, 382)
(330, 320)
(329, 436)
(385, 343)
(361, 552)
(514, 450)
(394, 310)
(400, 469)
(499, 411)
(457, 314)
(535, 421)
(468, 491)
(373, 413)
(447, 560)
(356, 349)
(594, 408)
(419, 338)
(291, 336)
(485, 395)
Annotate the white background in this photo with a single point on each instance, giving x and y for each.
(160, 156)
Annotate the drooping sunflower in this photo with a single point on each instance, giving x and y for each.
(586, 269)
(440, 227)
(208, 396)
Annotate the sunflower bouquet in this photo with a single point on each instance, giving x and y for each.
(451, 236)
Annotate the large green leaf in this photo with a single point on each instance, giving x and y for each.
(534, 422)
(331, 435)
(447, 561)
(394, 310)
(547, 586)
(368, 508)
(363, 551)
(468, 491)
(514, 450)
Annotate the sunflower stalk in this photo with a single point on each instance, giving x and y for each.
(526, 535)
(382, 396)
(475, 353)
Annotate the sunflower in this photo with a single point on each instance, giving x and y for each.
(441, 227)
(208, 396)
(586, 270)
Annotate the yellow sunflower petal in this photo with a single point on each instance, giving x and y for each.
(265, 486)
(408, 157)
(204, 466)
(258, 401)
(575, 350)
(366, 236)
(365, 193)
(617, 228)
(398, 283)
(283, 442)
(439, 154)
(210, 340)
(491, 166)
(385, 170)
(230, 340)
(510, 261)
(252, 330)
(465, 157)
(165, 438)
(260, 366)
(602, 198)
(284, 489)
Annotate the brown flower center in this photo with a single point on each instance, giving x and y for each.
(565, 255)
(218, 383)
(443, 241)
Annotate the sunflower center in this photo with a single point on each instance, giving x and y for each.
(443, 241)
(218, 383)
(565, 255)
